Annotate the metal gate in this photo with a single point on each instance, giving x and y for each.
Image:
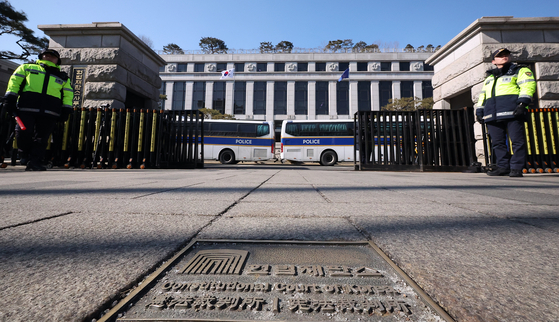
(422, 140)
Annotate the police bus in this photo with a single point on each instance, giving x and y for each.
(324, 141)
(231, 141)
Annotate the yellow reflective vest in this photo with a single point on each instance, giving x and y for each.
(41, 87)
(502, 92)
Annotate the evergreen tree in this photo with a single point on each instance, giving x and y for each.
(211, 45)
(12, 23)
(173, 49)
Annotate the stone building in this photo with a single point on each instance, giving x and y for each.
(7, 68)
(280, 86)
(460, 65)
(107, 64)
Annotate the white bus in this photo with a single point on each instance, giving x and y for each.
(324, 141)
(231, 141)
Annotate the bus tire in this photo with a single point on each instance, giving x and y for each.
(227, 157)
(328, 158)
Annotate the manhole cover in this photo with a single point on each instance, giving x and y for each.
(278, 281)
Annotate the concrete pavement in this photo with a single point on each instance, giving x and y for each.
(73, 241)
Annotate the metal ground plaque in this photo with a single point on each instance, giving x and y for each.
(278, 281)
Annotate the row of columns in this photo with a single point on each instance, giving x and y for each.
(311, 91)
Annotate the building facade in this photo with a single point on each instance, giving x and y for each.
(280, 86)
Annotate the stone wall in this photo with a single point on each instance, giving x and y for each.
(7, 68)
(461, 64)
(117, 63)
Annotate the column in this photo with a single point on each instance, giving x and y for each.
(209, 94)
(229, 96)
(375, 96)
(290, 98)
(249, 108)
(188, 95)
(269, 100)
(418, 89)
(352, 98)
(169, 92)
(332, 102)
(311, 115)
(396, 91)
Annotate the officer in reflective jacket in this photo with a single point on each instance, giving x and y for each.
(45, 97)
(502, 105)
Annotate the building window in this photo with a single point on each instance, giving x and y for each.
(262, 67)
(302, 67)
(259, 102)
(279, 67)
(343, 66)
(320, 67)
(427, 67)
(161, 69)
(362, 67)
(342, 98)
(301, 98)
(280, 98)
(178, 95)
(162, 91)
(240, 97)
(239, 67)
(385, 92)
(199, 67)
(427, 89)
(321, 98)
(385, 66)
(181, 68)
(198, 95)
(221, 67)
(219, 97)
(364, 96)
(405, 66)
(406, 89)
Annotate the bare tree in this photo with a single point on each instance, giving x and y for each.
(146, 40)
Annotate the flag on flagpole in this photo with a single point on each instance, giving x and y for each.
(344, 75)
(230, 73)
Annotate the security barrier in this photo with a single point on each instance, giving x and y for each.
(422, 140)
(119, 138)
(542, 136)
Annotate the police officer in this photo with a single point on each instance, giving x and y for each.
(502, 105)
(45, 97)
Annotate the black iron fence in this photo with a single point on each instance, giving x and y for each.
(542, 137)
(118, 138)
(422, 140)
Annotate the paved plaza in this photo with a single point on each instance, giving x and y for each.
(73, 241)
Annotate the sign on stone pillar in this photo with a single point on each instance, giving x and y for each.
(78, 78)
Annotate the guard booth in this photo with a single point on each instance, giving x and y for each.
(422, 140)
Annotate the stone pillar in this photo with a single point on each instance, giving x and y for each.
(396, 91)
(209, 94)
(418, 89)
(249, 112)
(188, 95)
(117, 63)
(290, 98)
(312, 100)
(353, 102)
(375, 96)
(269, 100)
(332, 99)
(169, 92)
(229, 96)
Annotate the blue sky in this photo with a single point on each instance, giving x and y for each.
(243, 24)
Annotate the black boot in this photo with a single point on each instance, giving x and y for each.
(499, 172)
(35, 166)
